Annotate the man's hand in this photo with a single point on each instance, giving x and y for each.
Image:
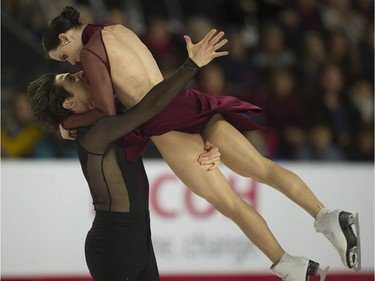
(68, 134)
(205, 51)
(211, 157)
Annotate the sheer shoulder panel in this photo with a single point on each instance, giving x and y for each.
(95, 64)
(107, 184)
(115, 184)
(99, 80)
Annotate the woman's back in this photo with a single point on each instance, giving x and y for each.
(133, 69)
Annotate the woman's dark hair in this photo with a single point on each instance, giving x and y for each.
(68, 19)
(46, 101)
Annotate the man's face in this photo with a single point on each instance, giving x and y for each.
(77, 85)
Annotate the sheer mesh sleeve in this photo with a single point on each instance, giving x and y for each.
(108, 129)
(99, 80)
(83, 119)
(101, 89)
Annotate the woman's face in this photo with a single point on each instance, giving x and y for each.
(68, 50)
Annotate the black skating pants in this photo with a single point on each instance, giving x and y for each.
(119, 248)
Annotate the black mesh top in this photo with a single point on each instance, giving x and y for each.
(116, 184)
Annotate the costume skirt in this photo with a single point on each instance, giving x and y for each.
(189, 112)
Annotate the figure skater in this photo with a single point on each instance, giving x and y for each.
(118, 246)
(115, 61)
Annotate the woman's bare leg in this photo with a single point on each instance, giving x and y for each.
(240, 156)
(181, 152)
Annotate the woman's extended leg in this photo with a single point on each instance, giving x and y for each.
(238, 154)
(181, 152)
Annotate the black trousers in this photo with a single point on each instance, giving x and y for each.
(118, 247)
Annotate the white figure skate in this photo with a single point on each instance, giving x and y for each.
(337, 226)
(291, 268)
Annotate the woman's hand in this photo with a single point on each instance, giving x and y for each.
(205, 51)
(68, 134)
(211, 157)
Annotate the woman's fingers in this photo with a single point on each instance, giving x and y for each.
(208, 37)
(216, 39)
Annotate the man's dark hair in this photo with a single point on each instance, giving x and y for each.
(46, 101)
(68, 19)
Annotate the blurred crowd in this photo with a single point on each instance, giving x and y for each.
(308, 63)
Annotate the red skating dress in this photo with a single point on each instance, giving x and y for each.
(189, 112)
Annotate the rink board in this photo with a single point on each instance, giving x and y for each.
(47, 211)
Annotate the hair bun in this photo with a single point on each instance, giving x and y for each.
(71, 14)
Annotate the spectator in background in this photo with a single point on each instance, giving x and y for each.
(312, 58)
(242, 16)
(320, 146)
(309, 15)
(272, 51)
(239, 68)
(285, 114)
(313, 32)
(343, 54)
(361, 95)
(117, 15)
(164, 46)
(297, 18)
(25, 13)
(22, 138)
(332, 107)
(341, 15)
(19, 134)
(198, 26)
(53, 146)
(362, 148)
(212, 80)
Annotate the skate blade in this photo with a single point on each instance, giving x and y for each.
(352, 235)
(323, 273)
(355, 252)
